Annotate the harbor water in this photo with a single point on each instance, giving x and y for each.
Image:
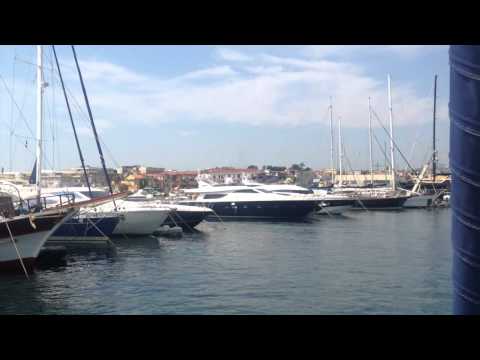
(385, 262)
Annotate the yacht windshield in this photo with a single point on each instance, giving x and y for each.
(295, 191)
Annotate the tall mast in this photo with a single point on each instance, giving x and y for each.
(40, 86)
(82, 161)
(332, 165)
(340, 150)
(370, 139)
(99, 147)
(392, 158)
(434, 162)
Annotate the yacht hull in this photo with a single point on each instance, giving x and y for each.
(258, 209)
(374, 203)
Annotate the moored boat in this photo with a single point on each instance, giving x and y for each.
(253, 203)
(22, 237)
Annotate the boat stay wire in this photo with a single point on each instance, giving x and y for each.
(93, 126)
(72, 122)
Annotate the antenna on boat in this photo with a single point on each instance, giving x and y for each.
(370, 139)
(434, 161)
(394, 185)
(40, 86)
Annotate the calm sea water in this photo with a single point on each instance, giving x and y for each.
(362, 263)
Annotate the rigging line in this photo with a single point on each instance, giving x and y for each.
(7, 126)
(414, 145)
(54, 122)
(46, 109)
(420, 131)
(381, 148)
(11, 118)
(72, 122)
(93, 126)
(84, 117)
(117, 164)
(394, 144)
(349, 165)
(357, 198)
(79, 107)
(24, 99)
(45, 67)
(10, 94)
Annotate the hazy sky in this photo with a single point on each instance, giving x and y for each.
(189, 107)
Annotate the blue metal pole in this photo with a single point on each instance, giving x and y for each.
(464, 110)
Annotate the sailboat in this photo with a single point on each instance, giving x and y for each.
(374, 198)
(430, 194)
(111, 217)
(82, 228)
(23, 235)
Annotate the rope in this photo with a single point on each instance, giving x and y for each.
(219, 218)
(93, 125)
(394, 144)
(189, 227)
(18, 108)
(100, 231)
(17, 251)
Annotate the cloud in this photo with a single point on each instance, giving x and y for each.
(345, 51)
(95, 70)
(232, 55)
(264, 70)
(212, 72)
(276, 91)
(187, 133)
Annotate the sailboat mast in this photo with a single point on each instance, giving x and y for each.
(99, 147)
(392, 158)
(332, 165)
(434, 162)
(82, 161)
(370, 139)
(39, 152)
(340, 149)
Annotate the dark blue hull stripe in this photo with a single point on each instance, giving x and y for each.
(261, 209)
(83, 228)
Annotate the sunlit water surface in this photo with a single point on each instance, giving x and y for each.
(361, 263)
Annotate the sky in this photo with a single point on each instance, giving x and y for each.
(191, 107)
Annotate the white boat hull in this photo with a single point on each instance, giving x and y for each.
(28, 246)
(140, 222)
